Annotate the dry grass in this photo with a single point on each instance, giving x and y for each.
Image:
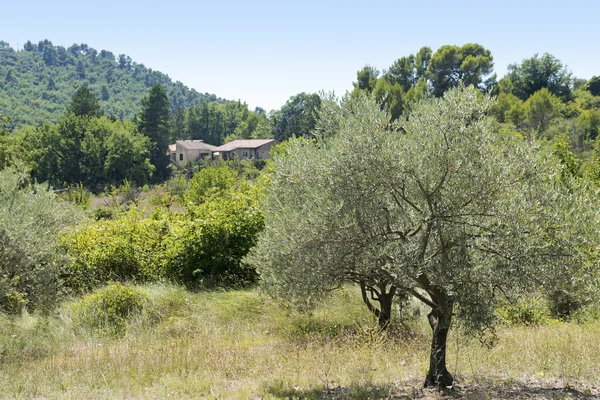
(240, 345)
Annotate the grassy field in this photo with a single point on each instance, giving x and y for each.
(241, 345)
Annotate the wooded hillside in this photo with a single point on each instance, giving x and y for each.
(37, 82)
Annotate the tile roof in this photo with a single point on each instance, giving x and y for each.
(244, 144)
(195, 145)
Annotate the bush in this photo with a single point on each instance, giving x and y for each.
(524, 312)
(108, 310)
(130, 248)
(222, 231)
(203, 248)
(31, 264)
(210, 180)
(162, 197)
(78, 195)
(564, 304)
(104, 213)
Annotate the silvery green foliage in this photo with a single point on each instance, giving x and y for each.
(443, 204)
(30, 220)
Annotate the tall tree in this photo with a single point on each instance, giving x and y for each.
(391, 97)
(469, 65)
(85, 103)
(541, 108)
(536, 73)
(446, 210)
(154, 123)
(4, 144)
(297, 117)
(407, 71)
(366, 78)
(593, 86)
(178, 124)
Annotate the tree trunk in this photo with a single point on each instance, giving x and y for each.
(385, 299)
(439, 320)
(385, 314)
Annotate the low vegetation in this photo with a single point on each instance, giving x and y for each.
(242, 345)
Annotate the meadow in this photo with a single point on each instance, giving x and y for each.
(243, 345)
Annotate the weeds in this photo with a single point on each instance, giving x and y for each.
(240, 345)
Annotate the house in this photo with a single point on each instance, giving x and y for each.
(184, 151)
(245, 148)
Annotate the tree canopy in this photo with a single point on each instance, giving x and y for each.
(297, 117)
(445, 209)
(536, 73)
(469, 65)
(85, 147)
(84, 103)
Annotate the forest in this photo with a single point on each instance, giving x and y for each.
(432, 233)
(39, 80)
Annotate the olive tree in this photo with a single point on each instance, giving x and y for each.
(32, 267)
(443, 208)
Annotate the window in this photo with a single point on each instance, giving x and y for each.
(245, 154)
(180, 156)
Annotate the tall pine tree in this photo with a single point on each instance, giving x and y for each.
(153, 121)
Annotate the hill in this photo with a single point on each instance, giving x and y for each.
(37, 82)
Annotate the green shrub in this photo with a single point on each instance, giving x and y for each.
(210, 180)
(177, 186)
(221, 232)
(78, 195)
(31, 264)
(130, 248)
(524, 312)
(104, 213)
(564, 304)
(108, 310)
(200, 249)
(162, 197)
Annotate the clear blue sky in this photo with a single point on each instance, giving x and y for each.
(263, 52)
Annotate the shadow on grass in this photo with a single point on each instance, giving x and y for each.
(523, 391)
(508, 391)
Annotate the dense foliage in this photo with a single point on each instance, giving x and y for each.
(31, 264)
(210, 181)
(444, 208)
(201, 247)
(538, 98)
(153, 122)
(297, 117)
(95, 151)
(128, 248)
(222, 231)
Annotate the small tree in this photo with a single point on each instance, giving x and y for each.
(32, 267)
(210, 180)
(221, 232)
(445, 209)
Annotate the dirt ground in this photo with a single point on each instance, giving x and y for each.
(475, 391)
